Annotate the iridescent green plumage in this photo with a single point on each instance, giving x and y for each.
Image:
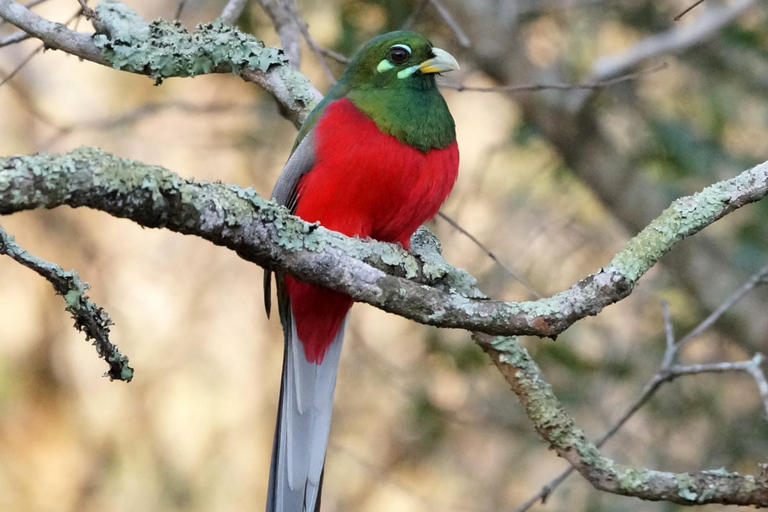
(405, 105)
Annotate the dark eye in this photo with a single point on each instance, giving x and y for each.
(399, 53)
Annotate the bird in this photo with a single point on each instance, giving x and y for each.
(376, 158)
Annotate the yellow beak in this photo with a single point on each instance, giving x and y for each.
(440, 63)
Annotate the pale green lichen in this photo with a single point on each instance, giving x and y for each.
(506, 345)
(161, 49)
(686, 216)
(686, 487)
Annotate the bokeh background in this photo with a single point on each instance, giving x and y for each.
(553, 182)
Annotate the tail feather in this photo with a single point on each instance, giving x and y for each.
(303, 425)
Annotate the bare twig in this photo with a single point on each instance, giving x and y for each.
(755, 369)
(338, 57)
(14, 38)
(674, 40)
(89, 318)
(232, 11)
(179, 9)
(461, 36)
(21, 65)
(89, 13)
(756, 279)
(752, 367)
(671, 349)
(141, 112)
(29, 57)
(449, 21)
(415, 13)
(286, 26)
(316, 48)
(561, 87)
(688, 9)
(509, 270)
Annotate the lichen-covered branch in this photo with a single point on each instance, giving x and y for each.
(557, 428)
(423, 289)
(125, 41)
(89, 318)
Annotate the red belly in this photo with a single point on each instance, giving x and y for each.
(364, 183)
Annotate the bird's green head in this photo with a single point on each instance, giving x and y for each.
(398, 60)
(392, 80)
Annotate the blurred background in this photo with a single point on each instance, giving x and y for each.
(553, 182)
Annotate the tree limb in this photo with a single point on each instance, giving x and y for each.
(428, 290)
(89, 318)
(558, 429)
(677, 39)
(162, 50)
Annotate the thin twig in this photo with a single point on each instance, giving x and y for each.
(14, 38)
(89, 13)
(755, 280)
(29, 57)
(688, 9)
(179, 8)
(561, 87)
(286, 27)
(338, 57)
(415, 13)
(21, 65)
(752, 367)
(316, 49)
(139, 113)
(512, 272)
(669, 330)
(755, 369)
(89, 318)
(232, 11)
(461, 36)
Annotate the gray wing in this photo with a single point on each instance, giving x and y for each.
(286, 192)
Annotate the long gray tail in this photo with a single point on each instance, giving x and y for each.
(303, 425)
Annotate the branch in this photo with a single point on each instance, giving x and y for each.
(674, 40)
(162, 50)
(89, 318)
(667, 373)
(557, 428)
(589, 86)
(287, 27)
(426, 289)
(14, 38)
(752, 367)
(232, 11)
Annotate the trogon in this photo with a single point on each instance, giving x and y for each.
(375, 159)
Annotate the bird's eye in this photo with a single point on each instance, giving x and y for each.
(399, 53)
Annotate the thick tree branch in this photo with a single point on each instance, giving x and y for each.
(162, 50)
(89, 318)
(668, 372)
(427, 291)
(557, 428)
